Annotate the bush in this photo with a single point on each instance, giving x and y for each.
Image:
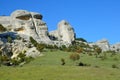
(115, 66)
(63, 61)
(2, 28)
(15, 61)
(9, 39)
(21, 59)
(74, 56)
(83, 64)
(38, 46)
(98, 50)
(80, 50)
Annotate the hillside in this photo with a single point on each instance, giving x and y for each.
(48, 67)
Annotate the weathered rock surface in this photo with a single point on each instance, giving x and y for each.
(65, 32)
(103, 44)
(116, 47)
(33, 52)
(5, 21)
(29, 24)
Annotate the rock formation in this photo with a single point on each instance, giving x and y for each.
(103, 44)
(29, 24)
(115, 47)
(65, 32)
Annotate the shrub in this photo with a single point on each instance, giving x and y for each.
(38, 46)
(98, 50)
(63, 61)
(21, 59)
(15, 62)
(80, 50)
(115, 59)
(33, 41)
(74, 56)
(5, 60)
(83, 64)
(2, 28)
(115, 66)
(9, 39)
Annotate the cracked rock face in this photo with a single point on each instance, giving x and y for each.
(64, 32)
(27, 24)
(30, 24)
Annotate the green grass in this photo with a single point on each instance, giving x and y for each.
(48, 67)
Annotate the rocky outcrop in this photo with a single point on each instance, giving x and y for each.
(65, 32)
(30, 24)
(5, 21)
(115, 47)
(103, 44)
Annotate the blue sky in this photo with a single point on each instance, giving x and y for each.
(92, 19)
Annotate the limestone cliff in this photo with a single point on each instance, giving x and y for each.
(28, 24)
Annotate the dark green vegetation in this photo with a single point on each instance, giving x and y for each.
(49, 67)
(18, 61)
(81, 39)
(2, 28)
(38, 46)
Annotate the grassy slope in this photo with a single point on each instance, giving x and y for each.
(48, 67)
